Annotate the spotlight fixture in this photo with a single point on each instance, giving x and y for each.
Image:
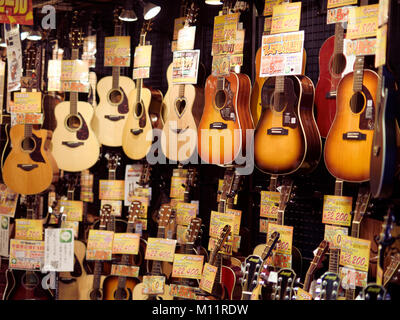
(213, 2)
(150, 10)
(127, 13)
(25, 32)
(34, 35)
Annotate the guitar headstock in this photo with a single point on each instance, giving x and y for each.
(220, 242)
(322, 250)
(237, 180)
(283, 290)
(113, 160)
(285, 191)
(145, 175)
(385, 238)
(76, 34)
(393, 270)
(193, 230)
(374, 292)
(105, 216)
(252, 269)
(146, 27)
(361, 204)
(116, 20)
(164, 215)
(134, 211)
(226, 188)
(191, 15)
(328, 286)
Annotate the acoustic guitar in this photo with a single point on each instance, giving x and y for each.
(112, 111)
(30, 167)
(121, 287)
(226, 117)
(288, 127)
(74, 144)
(184, 105)
(348, 144)
(137, 136)
(334, 63)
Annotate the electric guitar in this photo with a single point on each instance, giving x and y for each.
(328, 286)
(333, 65)
(226, 117)
(184, 104)
(112, 111)
(120, 287)
(74, 144)
(30, 167)
(156, 268)
(288, 127)
(283, 289)
(137, 135)
(348, 144)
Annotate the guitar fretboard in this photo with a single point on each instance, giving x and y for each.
(358, 74)
(116, 70)
(74, 95)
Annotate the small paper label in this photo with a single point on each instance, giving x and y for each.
(117, 51)
(208, 277)
(153, 284)
(187, 266)
(28, 229)
(126, 243)
(100, 245)
(337, 210)
(160, 249)
(111, 189)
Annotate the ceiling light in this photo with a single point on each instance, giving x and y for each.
(150, 10)
(214, 2)
(34, 35)
(128, 15)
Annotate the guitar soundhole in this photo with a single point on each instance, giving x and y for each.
(120, 294)
(139, 110)
(115, 96)
(74, 122)
(278, 101)
(220, 99)
(96, 295)
(180, 106)
(338, 63)
(28, 144)
(357, 102)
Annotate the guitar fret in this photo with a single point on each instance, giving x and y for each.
(74, 95)
(279, 84)
(339, 35)
(358, 74)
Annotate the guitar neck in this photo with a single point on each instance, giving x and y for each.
(156, 266)
(358, 74)
(334, 260)
(125, 259)
(339, 35)
(74, 95)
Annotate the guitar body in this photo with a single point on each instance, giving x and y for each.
(21, 286)
(384, 147)
(179, 135)
(328, 81)
(221, 138)
(349, 159)
(137, 136)
(110, 287)
(295, 138)
(138, 295)
(75, 149)
(29, 172)
(112, 111)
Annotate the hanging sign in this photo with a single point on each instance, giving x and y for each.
(16, 12)
(187, 266)
(153, 284)
(337, 210)
(73, 209)
(284, 246)
(28, 229)
(111, 189)
(125, 271)
(59, 250)
(361, 47)
(14, 57)
(100, 244)
(26, 255)
(340, 3)
(126, 243)
(27, 102)
(362, 22)
(160, 249)
(269, 204)
(337, 15)
(381, 42)
(286, 17)
(185, 212)
(8, 201)
(208, 277)
(117, 51)
(354, 252)
(185, 66)
(269, 4)
(75, 76)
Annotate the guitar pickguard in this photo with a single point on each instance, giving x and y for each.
(123, 107)
(83, 132)
(36, 155)
(228, 112)
(289, 117)
(367, 118)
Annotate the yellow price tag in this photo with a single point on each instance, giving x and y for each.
(112, 189)
(73, 209)
(284, 246)
(28, 229)
(303, 295)
(340, 3)
(100, 244)
(355, 253)
(286, 17)
(362, 22)
(187, 266)
(126, 243)
(269, 4)
(27, 102)
(381, 42)
(177, 187)
(218, 220)
(208, 277)
(142, 57)
(185, 212)
(117, 51)
(337, 210)
(153, 284)
(125, 271)
(160, 249)
(269, 204)
(334, 234)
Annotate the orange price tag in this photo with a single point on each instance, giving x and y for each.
(126, 243)
(160, 249)
(28, 229)
(354, 252)
(208, 277)
(73, 209)
(269, 204)
(111, 189)
(100, 244)
(27, 102)
(362, 22)
(125, 271)
(337, 210)
(286, 17)
(187, 266)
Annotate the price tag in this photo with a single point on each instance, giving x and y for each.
(269, 204)
(269, 4)
(125, 271)
(8, 201)
(26, 255)
(383, 12)
(362, 22)
(153, 284)
(282, 54)
(263, 226)
(75, 76)
(236, 220)
(218, 220)
(351, 278)
(340, 3)
(28, 229)
(187, 266)
(334, 234)
(225, 27)
(286, 17)
(160, 249)
(26, 118)
(361, 47)
(381, 42)
(181, 233)
(116, 206)
(54, 75)
(179, 23)
(280, 260)
(4, 236)
(355, 253)
(337, 15)
(126, 243)
(117, 51)
(142, 57)
(177, 187)
(73, 209)
(284, 246)
(59, 250)
(267, 25)
(221, 65)
(141, 73)
(303, 295)
(337, 210)
(86, 186)
(100, 245)
(144, 193)
(186, 37)
(208, 277)
(111, 189)
(181, 291)
(27, 102)
(185, 212)
(185, 66)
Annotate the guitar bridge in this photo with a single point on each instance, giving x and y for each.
(27, 167)
(354, 135)
(331, 95)
(278, 132)
(136, 132)
(71, 144)
(114, 118)
(218, 125)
